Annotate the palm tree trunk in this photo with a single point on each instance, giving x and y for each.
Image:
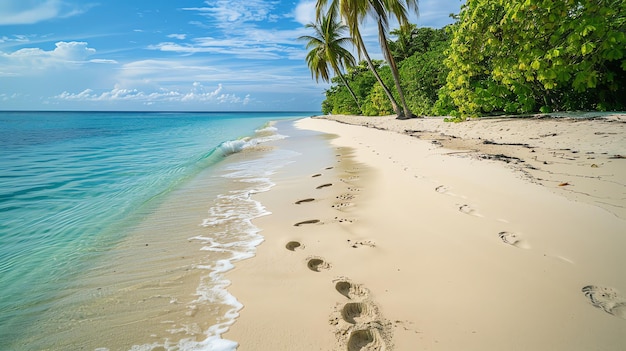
(345, 81)
(394, 104)
(394, 72)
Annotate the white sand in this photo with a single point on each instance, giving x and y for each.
(420, 247)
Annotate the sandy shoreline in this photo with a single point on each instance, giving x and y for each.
(403, 244)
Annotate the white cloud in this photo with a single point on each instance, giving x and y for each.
(7, 97)
(64, 51)
(227, 12)
(28, 60)
(14, 39)
(177, 36)
(8, 74)
(255, 43)
(305, 12)
(72, 51)
(243, 30)
(103, 61)
(34, 11)
(197, 93)
(237, 49)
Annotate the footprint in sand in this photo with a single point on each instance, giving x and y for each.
(467, 209)
(294, 245)
(606, 299)
(344, 220)
(349, 179)
(354, 312)
(513, 240)
(324, 186)
(311, 221)
(442, 189)
(342, 205)
(365, 339)
(304, 200)
(317, 264)
(357, 244)
(346, 197)
(350, 290)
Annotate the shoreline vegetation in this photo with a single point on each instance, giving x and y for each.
(424, 235)
(496, 58)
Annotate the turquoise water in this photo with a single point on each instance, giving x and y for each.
(76, 186)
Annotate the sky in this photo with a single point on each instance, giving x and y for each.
(166, 55)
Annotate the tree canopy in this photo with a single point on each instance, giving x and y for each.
(504, 56)
(538, 55)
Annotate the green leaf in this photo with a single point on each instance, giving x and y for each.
(588, 29)
(587, 48)
(535, 65)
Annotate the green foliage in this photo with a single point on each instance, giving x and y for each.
(423, 74)
(538, 55)
(377, 103)
(505, 56)
(338, 99)
(411, 40)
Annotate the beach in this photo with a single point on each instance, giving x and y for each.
(117, 226)
(491, 234)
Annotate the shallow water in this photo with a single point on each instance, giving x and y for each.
(116, 228)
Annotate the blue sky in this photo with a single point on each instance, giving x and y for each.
(183, 55)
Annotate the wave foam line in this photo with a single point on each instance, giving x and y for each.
(233, 232)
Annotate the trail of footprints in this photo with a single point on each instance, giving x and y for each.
(509, 238)
(358, 324)
(604, 298)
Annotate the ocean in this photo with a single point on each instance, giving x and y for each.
(116, 228)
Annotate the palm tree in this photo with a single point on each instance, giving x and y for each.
(353, 13)
(398, 8)
(349, 11)
(328, 51)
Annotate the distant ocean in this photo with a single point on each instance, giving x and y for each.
(115, 228)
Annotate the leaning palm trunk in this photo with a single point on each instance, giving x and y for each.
(345, 82)
(361, 46)
(394, 71)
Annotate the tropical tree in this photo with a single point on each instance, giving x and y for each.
(424, 72)
(402, 48)
(423, 75)
(346, 8)
(524, 56)
(353, 13)
(399, 10)
(327, 50)
(410, 39)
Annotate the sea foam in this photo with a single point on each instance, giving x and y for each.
(263, 135)
(233, 233)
